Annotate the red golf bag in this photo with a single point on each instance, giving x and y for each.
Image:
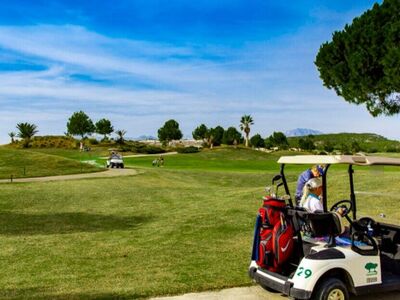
(276, 235)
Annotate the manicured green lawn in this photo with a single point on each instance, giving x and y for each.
(29, 163)
(219, 159)
(157, 233)
(94, 153)
(165, 231)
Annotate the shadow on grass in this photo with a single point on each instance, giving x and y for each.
(31, 224)
(44, 294)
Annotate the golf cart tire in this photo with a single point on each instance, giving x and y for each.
(122, 166)
(328, 288)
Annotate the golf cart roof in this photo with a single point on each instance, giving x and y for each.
(360, 160)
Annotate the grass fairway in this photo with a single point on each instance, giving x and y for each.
(28, 163)
(157, 233)
(218, 159)
(165, 231)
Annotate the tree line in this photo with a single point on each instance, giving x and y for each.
(80, 125)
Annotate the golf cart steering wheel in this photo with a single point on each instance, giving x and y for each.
(346, 204)
(364, 223)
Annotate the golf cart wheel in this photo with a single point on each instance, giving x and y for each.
(331, 289)
(122, 166)
(112, 166)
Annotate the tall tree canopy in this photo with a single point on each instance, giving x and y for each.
(231, 136)
(211, 136)
(257, 141)
(200, 132)
(170, 131)
(80, 124)
(104, 127)
(214, 136)
(362, 62)
(277, 139)
(218, 133)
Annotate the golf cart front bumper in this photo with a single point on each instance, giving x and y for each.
(277, 282)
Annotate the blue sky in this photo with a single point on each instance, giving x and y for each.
(141, 63)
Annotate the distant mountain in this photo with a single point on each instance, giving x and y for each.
(302, 132)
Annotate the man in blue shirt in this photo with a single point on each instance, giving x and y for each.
(314, 171)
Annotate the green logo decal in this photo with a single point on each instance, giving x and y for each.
(307, 272)
(371, 267)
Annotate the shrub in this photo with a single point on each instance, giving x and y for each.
(150, 149)
(138, 147)
(392, 149)
(190, 149)
(93, 141)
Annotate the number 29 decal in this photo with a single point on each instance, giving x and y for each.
(304, 272)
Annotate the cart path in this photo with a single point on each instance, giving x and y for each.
(103, 174)
(258, 293)
(238, 293)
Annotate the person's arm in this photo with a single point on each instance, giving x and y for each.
(301, 181)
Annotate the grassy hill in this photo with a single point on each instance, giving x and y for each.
(367, 142)
(29, 163)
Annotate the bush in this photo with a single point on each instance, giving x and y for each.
(190, 149)
(93, 141)
(150, 149)
(392, 149)
(138, 147)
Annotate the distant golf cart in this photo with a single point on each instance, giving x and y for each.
(305, 255)
(115, 160)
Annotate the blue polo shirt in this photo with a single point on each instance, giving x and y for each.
(301, 181)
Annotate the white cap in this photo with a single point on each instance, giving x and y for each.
(314, 183)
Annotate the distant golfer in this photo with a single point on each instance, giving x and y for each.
(314, 171)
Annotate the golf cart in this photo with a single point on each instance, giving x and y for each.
(304, 255)
(115, 160)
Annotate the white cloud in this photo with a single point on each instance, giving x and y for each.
(139, 82)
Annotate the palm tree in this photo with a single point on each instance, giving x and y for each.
(245, 123)
(26, 132)
(120, 134)
(12, 136)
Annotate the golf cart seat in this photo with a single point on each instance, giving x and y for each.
(325, 224)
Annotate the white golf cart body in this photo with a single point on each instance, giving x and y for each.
(358, 267)
(115, 160)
